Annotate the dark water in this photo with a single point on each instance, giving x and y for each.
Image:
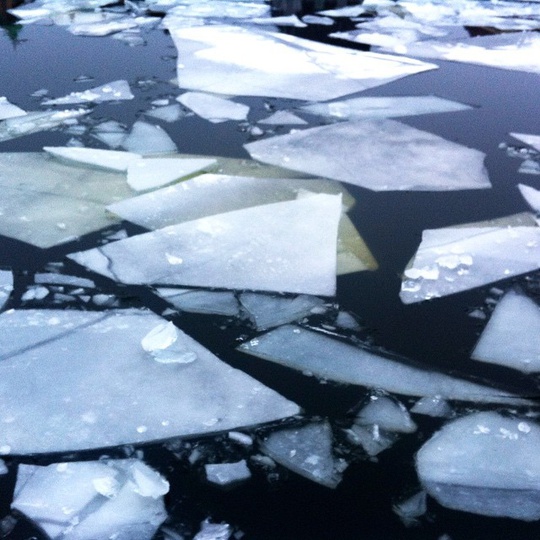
(439, 334)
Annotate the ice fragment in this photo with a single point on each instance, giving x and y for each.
(227, 474)
(113, 91)
(213, 108)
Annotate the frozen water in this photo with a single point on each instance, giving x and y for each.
(111, 133)
(285, 20)
(412, 508)
(8, 110)
(86, 500)
(6, 286)
(213, 108)
(113, 91)
(383, 107)
(167, 113)
(382, 155)
(512, 335)
(531, 140)
(46, 8)
(112, 392)
(486, 464)
(371, 438)
(102, 159)
(284, 247)
(151, 173)
(334, 360)
(432, 406)
(531, 195)
(201, 301)
(213, 531)
(387, 413)
(227, 474)
(236, 61)
(102, 28)
(316, 19)
(233, 9)
(306, 450)
(282, 118)
(529, 166)
(147, 139)
(51, 278)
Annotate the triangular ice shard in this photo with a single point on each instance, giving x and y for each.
(115, 390)
(212, 108)
(240, 62)
(8, 110)
(531, 195)
(113, 91)
(201, 301)
(6, 286)
(147, 139)
(531, 140)
(102, 159)
(284, 247)
(335, 360)
(382, 155)
(282, 118)
(386, 413)
(166, 113)
(512, 335)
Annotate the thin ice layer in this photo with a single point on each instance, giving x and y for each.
(113, 392)
(8, 110)
(334, 360)
(213, 108)
(102, 159)
(113, 91)
(306, 450)
(484, 463)
(6, 286)
(240, 62)
(512, 335)
(284, 247)
(382, 155)
(85, 500)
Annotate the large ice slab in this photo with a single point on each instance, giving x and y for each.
(85, 500)
(531, 195)
(331, 359)
(6, 286)
(237, 61)
(512, 335)
(94, 157)
(213, 108)
(382, 155)
(486, 464)
(113, 391)
(288, 246)
(113, 91)
(8, 110)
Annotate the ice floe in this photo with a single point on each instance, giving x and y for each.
(85, 500)
(213, 108)
(8, 110)
(332, 359)
(531, 140)
(113, 91)
(166, 113)
(371, 438)
(529, 166)
(512, 335)
(432, 406)
(240, 62)
(531, 195)
(382, 155)
(388, 414)
(227, 474)
(288, 246)
(6, 286)
(147, 139)
(113, 392)
(102, 159)
(409, 510)
(484, 463)
(282, 118)
(111, 133)
(201, 301)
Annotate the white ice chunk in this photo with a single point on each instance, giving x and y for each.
(432, 406)
(35, 292)
(383, 107)
(531, 140)
(331, 359)
(8, 110)
(357, 152)
(284, 20)
(316, 19)
(152, 173)
(98, 29)
(531, 195)
(91, 499)
(529, 166)
(371, 438)
(112, 392)
(113, 91)
(111, 133)
(412, 508)
(234, 9)
(236, 61)
(201, 301)
(267, 311)
(167, 113)
(346, 320)
(388, 414)
(512, 335)
(213, 108)
(6, 286)
(147, 139)
(227, 474)
(51, 278)
(213, 531)
(101, 159)
(307, 451)
(485, 464)
(282, 118)
(283, 247)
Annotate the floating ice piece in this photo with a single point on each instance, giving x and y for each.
(201, 301)
(457, 259)
(3, 467)
(213, 531)
(51, 278)
(432, 406)
(144, 174)
(237, 61)
(102, 159)
(8, 110)
(357, 152)
(371, 438)
(267, 311)
(212, 108)
(45, 8)
(147, 139)
(285, 20)
(307, 451)
(531, 195)
(163, 344)
(227, 474)
(284, 247)
(102, 28)
(316, 19)
(512, 335)
(412, 508)
(167, 113)
(234, 9)
(111, 133)
(346, 320)
(383, 107)
(35, 292)
(485, 464)
(529, 166)
(531, 140)
(388, 414)
(331, 359)
(6, 286)
(112, 392)
(92, 499)
(283, 118)
(113, 91)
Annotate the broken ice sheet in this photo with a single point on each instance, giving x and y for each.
(282, 118)
(371, 438)
(166, 113)
(111, 133)
(531, 195)
(213, 108)
(388, 414)
(8, 110)
(464, 257)
(531, 140)
(331, 359)
(287, 246)
(306, 450)
(94, 157)
(209, 9)
(6, 286)
(512, 335)
(227, 474)
(236, 61)
(382, 155)
(114, 392)
(113, 91)
(432, 406)
(383, 107)
(484, 463)
(529, 166)
(147, 139)
(85, 500)
(201, 301)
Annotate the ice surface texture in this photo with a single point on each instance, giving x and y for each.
(113, 91)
